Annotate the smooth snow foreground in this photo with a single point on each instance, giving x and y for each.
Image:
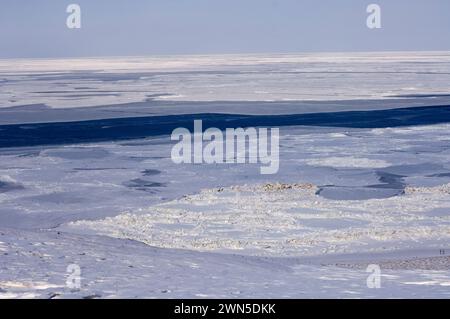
(36, 267)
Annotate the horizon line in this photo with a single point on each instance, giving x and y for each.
(68, 57)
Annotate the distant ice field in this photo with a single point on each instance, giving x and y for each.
(69, 83)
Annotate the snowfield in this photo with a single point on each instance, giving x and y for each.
(34, 265)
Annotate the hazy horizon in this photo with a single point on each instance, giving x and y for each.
(222, 54)
(199, 27)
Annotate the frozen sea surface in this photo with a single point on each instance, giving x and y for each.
(68, 83)
(373, 191)
(46, 186)
(122, 212)
(364, 177)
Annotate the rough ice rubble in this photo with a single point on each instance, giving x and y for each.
(284, 221)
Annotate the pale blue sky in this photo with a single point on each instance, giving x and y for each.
(37, 28)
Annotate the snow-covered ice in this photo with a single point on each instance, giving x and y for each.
(67, 83)
(139, 225)
(97, 192)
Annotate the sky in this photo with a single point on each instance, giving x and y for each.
(37, 28)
